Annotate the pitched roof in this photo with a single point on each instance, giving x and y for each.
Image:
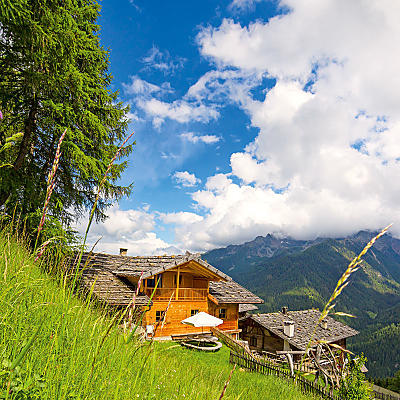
(105, 285)
(107, 275)
(247, 307)
(134, 266)
(304, 323)
(232, 292)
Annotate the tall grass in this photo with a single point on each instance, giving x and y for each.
(51, 182)
(59, 363)
(343, 281)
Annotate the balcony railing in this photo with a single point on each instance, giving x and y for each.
(183, 293)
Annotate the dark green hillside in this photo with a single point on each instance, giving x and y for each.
(306, 278)
(299, 274)
(382, 348)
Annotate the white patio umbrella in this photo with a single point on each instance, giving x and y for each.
(202, 319)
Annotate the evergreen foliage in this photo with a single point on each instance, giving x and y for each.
(390, 383)
(353, 386)
(54, 75)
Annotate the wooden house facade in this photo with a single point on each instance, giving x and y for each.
(182, 284)
(291, 331)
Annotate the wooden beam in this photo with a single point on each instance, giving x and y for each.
(213, 299)
(177, 284)
(290, 352)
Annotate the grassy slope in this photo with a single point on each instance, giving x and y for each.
(71, 331)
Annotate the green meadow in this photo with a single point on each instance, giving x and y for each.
(78, 352)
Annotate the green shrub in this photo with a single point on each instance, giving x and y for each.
(354, 385)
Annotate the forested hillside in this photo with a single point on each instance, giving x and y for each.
(303, 274)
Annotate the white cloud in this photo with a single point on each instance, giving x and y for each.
(184, 178)
(156, 59)
(179, 110)
(138, 86)
(224, 86)
(132, 117)
(243, 5)
(326, 158)
(193, 138)
(180, 218)
(131, 229)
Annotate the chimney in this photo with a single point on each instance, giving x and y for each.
(123, 252)
(284, 310)
(288, 328)
(324, 324)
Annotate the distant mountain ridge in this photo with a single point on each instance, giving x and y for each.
(302, 274)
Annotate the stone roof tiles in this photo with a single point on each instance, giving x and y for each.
(304, 323)
(247, 307)
(107, 274)
(232, 292)
(107, 287)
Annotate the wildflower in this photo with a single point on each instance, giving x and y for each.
(1, 115)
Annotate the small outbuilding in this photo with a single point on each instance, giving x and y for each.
(291, 330)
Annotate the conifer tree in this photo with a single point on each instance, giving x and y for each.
(54, 75)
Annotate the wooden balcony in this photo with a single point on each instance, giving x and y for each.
(180, 294)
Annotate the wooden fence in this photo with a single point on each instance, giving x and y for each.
(384, 394)
(231, 343)
(306, 386)
(243, 357)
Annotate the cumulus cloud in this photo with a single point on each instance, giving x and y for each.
(180, 110)
(193, 138)
(180, 218)
(131, 229)
(326, 158)
(186, 179)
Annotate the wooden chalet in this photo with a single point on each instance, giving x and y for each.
(185, 282)
(291, 331)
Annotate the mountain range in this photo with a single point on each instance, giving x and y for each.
(303, 274)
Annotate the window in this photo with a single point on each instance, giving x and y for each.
(222, 313)
(253, 341)
(180, 280)
(151, 283)
(159, 315)
(193, 312)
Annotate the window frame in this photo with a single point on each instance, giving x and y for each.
(176, 280)
(151, 282)
(253, 342)
(222, 311)
(159, 315)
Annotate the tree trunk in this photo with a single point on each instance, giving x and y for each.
(25, 144)
(24, 147)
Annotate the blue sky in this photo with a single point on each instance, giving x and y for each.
(253, 117)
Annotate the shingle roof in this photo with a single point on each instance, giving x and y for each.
(108, 272)
(134, 266)
(232, 292)
(247, 307)
(98, 276)
(304, 323)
